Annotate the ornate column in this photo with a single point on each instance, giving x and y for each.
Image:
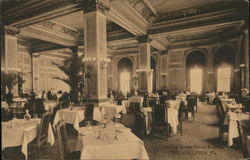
(210, 70)
(35, 71)
(145, 75)
(244, 66)
(9, 51)
(96, 48)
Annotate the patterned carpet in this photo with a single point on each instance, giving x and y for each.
(198, 142)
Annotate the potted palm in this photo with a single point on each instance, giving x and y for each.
(9, 79)
(73, 68)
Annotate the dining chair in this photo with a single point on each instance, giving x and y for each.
(245, 141)
(42, 137)
(13, 153)
(191, 103)
(62, 136)
(182, 109)
(140, 121)
(160, 119)
(89, 112)
(221, 118)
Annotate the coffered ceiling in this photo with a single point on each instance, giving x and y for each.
(168, 22)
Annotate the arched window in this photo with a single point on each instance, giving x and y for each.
(196, 66)
(125, 68)
(223, 78)
(224, 62)
(196, 79)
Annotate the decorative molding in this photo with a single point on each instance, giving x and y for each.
(9, 30)
(123, 14)
(141, 7)
(102, 6)
(59, 28)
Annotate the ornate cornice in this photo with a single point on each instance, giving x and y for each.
(9, 30)
(95, 5)
(56, 27)
(144, 10)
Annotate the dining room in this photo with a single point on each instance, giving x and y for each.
(116, 80)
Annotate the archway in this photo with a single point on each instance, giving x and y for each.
(196, 69)
(153, 66)
(224, 63)
(125, 69)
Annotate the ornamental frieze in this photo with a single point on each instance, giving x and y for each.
(56, 27)
(95, 5)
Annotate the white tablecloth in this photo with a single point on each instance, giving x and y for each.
(112, 109)
(136, 99)
(21, 133)
(50, 105)
(231, 120)
(224, 101)
(173, 106)
(4, 105)
(148, 118)
(75, 116)
(128, 146)
(211, 97)
(125, 103)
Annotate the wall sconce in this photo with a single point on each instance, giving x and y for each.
(236, 70)
(104, 62)
(89, 60)
(242, 65)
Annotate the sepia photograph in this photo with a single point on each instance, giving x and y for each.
(125, 80)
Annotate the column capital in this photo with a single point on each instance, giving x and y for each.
(9, 30)
(102, 6)
(144, 39)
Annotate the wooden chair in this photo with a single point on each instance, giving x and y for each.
(42, 137)
(243, 128)
(152, 101)
(221, 117)
(191, 103)
(63, 143)
(140, 121)
(160, 119)
(89, 113)
(182, 109)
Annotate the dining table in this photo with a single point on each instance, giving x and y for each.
(136, 99)
(147, 111)
(211, 97)
(112, 109)
(225, 101)
(172, 114)
(114, 141)
(19, 132)
(50, 105)
(4, 105)
(231, 120)
(74, 115)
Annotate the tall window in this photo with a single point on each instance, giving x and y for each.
(196, 79)
(223, 79)
(125, 81)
